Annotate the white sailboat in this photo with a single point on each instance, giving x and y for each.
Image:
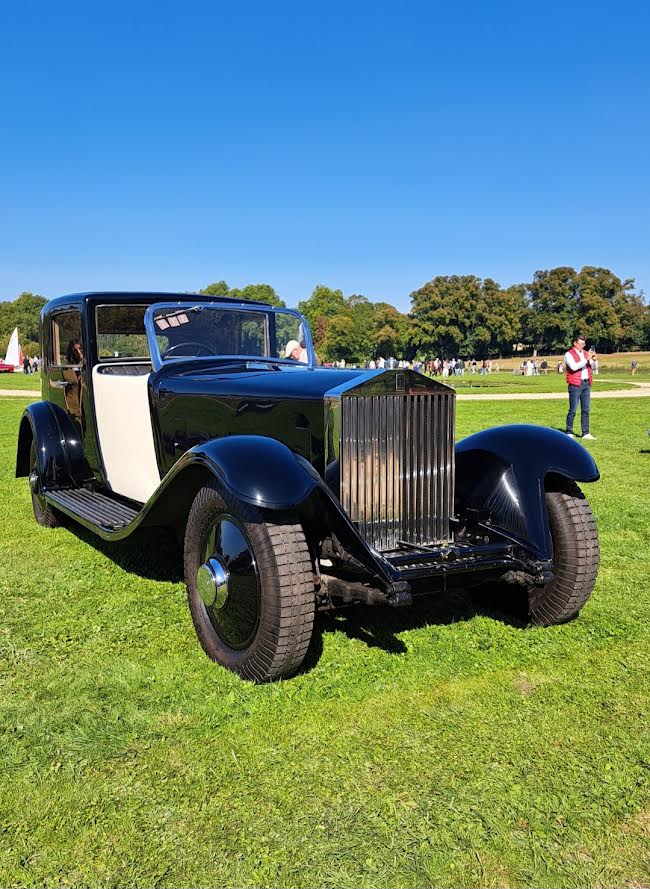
(14, 352)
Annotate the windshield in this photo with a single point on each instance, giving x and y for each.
(217, 331)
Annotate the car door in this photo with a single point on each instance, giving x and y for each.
(66, 371)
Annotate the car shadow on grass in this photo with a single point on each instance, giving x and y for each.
(380, 626)
(155, 554)
(151, 553)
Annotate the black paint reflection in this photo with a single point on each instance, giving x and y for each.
(236, 622)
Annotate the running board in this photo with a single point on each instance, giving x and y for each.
(92, 507)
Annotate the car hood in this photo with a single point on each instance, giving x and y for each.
(274, 381)
(284, 381)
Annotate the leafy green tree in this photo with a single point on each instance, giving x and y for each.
(7, 324)
(346, 339)
(594, 300)
(318, 333)
(324, 303)
(598, 291)
(256, 292)
(23, 313)
(444, 312)
(553, 314)
(219, 288)
(362, 313)
(482, 332)
(645, 341)
(386, 341)
(391, 331)
(263, 293)
(499, 318)
(633, 314)
(462, 315)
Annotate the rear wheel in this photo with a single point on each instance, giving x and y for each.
(250, 586)
(576, 556)
(44, 514)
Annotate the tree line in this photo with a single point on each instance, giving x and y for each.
(451, 316)
(470, 317)
(23, 313)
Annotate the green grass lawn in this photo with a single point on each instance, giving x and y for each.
(20, 381)
(492, 384)
(439, 746)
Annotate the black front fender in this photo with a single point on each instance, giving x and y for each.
(266, 473)
(503, 470)
(255, 469)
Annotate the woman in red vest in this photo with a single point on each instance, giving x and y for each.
(579, 379)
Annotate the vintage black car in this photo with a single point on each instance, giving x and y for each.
(294, 487)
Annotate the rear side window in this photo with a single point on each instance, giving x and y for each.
(121, 333)
(67, 347)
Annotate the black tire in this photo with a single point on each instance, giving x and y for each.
(44, 514)
(276, 639)
(576, 556)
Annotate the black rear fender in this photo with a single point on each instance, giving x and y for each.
(505, 471)
(59, 446)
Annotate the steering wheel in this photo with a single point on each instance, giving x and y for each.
(201, 346)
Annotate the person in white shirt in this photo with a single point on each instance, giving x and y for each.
(296, 351)
(579, 377)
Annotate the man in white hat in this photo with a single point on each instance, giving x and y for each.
(295, 351)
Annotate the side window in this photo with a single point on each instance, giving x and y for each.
(67, 348)
(121, 332)
(287, 329)
(253, 336)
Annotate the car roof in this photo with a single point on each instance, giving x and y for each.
(116, 296)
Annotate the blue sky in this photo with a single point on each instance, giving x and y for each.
(366, 146)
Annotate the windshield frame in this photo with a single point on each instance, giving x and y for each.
(192, 305)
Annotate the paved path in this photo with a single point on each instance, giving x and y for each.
(640, 390)
(26, 393)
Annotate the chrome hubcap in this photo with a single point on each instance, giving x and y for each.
(212, 583)
(227, 582)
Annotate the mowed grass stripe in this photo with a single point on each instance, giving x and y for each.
(434, 746)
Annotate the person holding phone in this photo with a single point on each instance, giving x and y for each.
(579, 377)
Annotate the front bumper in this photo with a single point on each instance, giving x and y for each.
(418, 563)
(422, 570)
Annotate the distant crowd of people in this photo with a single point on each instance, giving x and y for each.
(531, 367)
(444, 367)
(31, 365)
(457, 367)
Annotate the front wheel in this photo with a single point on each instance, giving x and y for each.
(250, 586)
(576, 556)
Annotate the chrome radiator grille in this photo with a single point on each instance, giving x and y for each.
(397, 466)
